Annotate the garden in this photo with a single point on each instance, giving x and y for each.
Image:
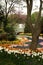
(21, 32)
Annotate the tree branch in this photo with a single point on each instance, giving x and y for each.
(31, 3)
(37, 24)
(9, 9)
(29, 8)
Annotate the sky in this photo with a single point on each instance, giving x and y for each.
(23, 10)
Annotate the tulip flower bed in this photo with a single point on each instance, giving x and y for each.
(34, 58)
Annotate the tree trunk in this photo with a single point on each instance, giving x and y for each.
(5, 21)
(34, 43)
(6, 15)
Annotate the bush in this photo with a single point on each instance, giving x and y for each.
(10, 33)
(3, 36)
(11, 37)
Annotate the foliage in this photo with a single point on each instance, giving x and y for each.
(18, 18)
(20, 59)
(11, 35)
(7, 9)
(27, 29)
(34, 17)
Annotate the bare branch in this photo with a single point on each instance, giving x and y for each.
(9, 9)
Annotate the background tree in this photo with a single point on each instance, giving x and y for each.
(1, 16)
(7, 7)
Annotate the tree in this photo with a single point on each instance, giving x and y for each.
(1, 15)
(7, 7)
(34, 17)
(42, 25)
(34, 29)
